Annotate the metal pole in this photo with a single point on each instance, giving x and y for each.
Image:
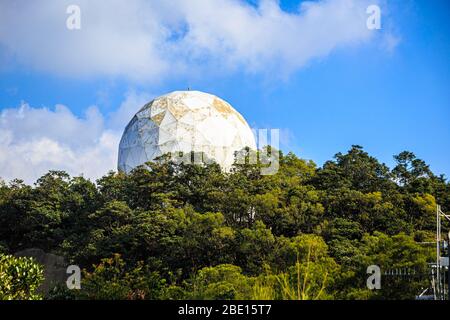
(441, 276)
(448, 267)
(441, 289)
(433, 283)
(438, 280)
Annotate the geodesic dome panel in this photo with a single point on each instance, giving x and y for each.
(184, 121)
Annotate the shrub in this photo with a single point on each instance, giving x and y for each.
(19, 278)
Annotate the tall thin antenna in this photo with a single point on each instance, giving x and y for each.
(438, 252)
(440, 267)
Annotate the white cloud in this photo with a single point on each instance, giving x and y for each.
(150, 40)
(390, 41)
(127, 109)
(35, 140)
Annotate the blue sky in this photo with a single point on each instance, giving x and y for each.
(387, 91)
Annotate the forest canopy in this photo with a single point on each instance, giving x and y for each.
(185, 231)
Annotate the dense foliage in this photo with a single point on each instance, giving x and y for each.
(19, 278)
(178, 231)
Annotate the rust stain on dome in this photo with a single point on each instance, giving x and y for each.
(226, 110)
(178, 111)
(158, 118)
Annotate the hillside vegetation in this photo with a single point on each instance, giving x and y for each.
(192, 232)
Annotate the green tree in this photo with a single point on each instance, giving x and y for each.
(222, 282)
(111, 279)
(355, 170)
(19, 278)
